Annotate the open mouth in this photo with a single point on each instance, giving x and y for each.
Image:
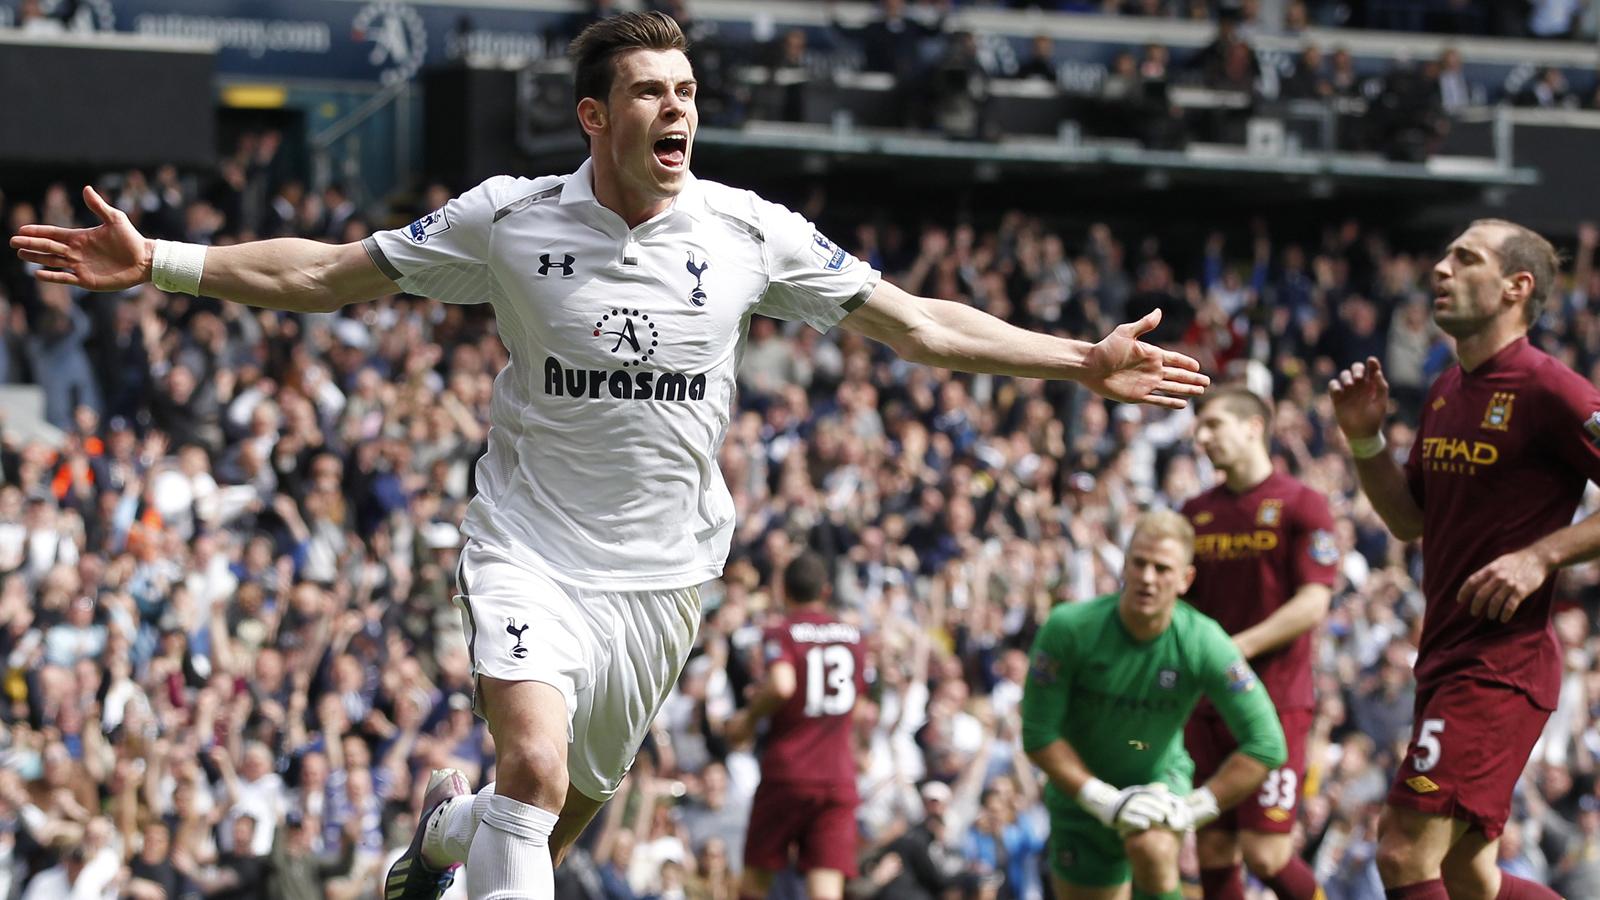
(672, 149)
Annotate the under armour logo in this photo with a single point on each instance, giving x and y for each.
(515, 630)
(697, 296)
(565, 265)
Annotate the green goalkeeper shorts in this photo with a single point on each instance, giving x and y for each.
(1086, 853)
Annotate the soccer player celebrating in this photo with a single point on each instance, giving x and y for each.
(622, 292)
(1111, 683)
(807, 801)
(1508, 440)
(1264, 562)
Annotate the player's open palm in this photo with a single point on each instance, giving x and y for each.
(111, 256)
(1360, 398)
(1498, 589)
(1122, 367)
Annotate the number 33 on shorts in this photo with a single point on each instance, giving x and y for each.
(1279, 793)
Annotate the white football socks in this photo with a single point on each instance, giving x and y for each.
(510, 854)
(453, 825)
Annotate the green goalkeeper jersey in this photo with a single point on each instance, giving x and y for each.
(1122, 703)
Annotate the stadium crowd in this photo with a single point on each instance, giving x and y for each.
(230, 658)
(944, 76)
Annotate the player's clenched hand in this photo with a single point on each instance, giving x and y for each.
(111, 256)
(1122, 367)
(1134, 808)
(1360, 398)
(1496, 590)
(1197, 810)
(1143, 807)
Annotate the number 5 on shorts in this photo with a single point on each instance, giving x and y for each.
(1428, 748)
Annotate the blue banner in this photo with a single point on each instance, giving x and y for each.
(384, 41)
(380, 41)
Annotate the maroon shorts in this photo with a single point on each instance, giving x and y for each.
(1469, 743)
(1272, 807)
(811, 826)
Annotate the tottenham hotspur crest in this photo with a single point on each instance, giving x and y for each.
(516, 631)
(698, 270)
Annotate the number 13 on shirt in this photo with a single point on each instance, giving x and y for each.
(830, 681)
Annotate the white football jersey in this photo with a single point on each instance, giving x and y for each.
(624, 343)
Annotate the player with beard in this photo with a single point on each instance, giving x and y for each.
(1508, 441)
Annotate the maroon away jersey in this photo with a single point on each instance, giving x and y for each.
(1501, 461)
(1252, 552)
(809, 740)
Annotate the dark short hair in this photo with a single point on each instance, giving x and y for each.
(805, 578)
(595, 49)
(1525, 250)
(1239, 402)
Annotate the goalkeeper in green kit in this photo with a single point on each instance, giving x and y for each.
(1111, 684)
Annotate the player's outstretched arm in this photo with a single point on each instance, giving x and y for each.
(282, 273)
(956, 336)
(1361, 404)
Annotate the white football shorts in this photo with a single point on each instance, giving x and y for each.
(613, 655)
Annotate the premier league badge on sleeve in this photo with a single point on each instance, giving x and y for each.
(1241, 678)
(1045, 669)
(431, 225)
(1324, 549)
(830, 256)
(1592, 428)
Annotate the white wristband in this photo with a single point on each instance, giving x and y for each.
(1100, 799)
(175, 268)
(1096, 791)
(1367, 447)
(1203, 803)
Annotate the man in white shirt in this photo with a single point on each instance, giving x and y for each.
(65, 881)
(90, 863)
(623, 293)
(1455, 93)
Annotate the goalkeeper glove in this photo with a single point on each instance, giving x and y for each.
(1193, 812)
(1128, 810)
